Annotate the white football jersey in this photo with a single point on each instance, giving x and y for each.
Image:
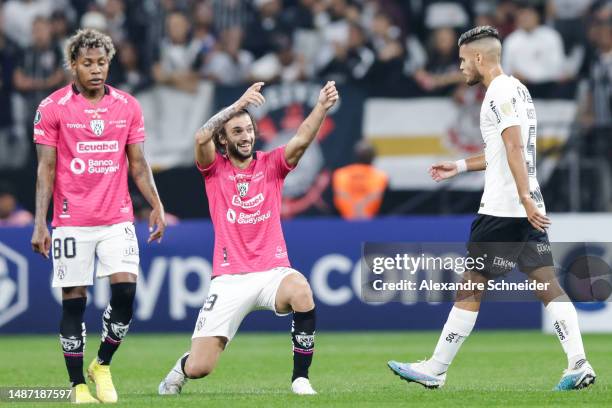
(507, 103)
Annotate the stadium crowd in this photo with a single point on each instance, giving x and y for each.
(390, 48)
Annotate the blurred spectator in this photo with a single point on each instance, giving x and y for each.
(94, 19)
(283, 64)
(332, 21)
(116, 21)
(359, 188)
(415, 58)
(534, 52)
(568, 18)
(441, 13)
(441, 72)
(231, 13)
(350, 63)
(130, 77)
(39, 67)
(203, 29)
(387, 70)
(19, 16)
(505, 17)
(142, 211)
(267, 25)
(178, 55)
(229, 64)
(7, 65)
(11, 214)
(60, 27)
(595, 110)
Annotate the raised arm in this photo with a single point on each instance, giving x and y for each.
(516, 160)
(204, 145)
(45, 178)
(448, 169)
(310, 127)
(143, 178)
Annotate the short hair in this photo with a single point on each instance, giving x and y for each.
(478, 33)
(220, 131)
(87, 38)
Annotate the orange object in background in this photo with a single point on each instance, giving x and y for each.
(358, 190)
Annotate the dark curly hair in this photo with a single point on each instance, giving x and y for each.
(87, 38)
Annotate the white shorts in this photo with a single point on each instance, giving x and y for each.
(232, 297)
(74, 250)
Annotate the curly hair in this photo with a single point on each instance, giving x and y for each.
(478, 33)
(220, 131)
(87, 38)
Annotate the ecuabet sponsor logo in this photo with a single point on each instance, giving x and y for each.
(98, 147)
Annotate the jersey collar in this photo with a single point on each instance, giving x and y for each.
(75, 90)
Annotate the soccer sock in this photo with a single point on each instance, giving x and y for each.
(302, 335)
(72, 338)
(458, 326)
(565, 325)
(116, 320)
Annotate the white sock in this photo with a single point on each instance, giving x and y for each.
(458, 326)
(565, 325)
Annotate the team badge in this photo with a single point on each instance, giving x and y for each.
(243, 189)
(97, 126)
(37, 117)
(305, 340)
(70, 343)
(61, 271)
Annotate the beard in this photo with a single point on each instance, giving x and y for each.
(475, 80)
(234, 151)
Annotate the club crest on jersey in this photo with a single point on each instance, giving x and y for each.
(243, 189)
(97, 126)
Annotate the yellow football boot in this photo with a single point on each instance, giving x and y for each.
(101, 376)
(81, 395)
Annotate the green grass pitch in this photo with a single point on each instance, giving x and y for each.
(494, 368)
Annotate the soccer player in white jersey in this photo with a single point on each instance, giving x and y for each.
(511, 212)
(251, 268)
(87, 134)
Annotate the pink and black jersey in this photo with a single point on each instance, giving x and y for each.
(245, 207)
(91, 170)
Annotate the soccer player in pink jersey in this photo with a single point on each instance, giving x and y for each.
(87, 134)
(251, 268)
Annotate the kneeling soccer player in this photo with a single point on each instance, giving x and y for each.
(251, 268)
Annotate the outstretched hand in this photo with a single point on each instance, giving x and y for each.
(251, 96)
(328, 95)
(443, 170)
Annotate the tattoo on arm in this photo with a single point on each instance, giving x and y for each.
(219, 118)
(45, 181)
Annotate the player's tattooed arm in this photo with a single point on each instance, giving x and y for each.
(143, 178)
(310, 127)
(45, 178)
(517, 163)
(204, 146)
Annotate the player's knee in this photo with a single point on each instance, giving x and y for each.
(301, 298)
(197, 369)
(123, 294)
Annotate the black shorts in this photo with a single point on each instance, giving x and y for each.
(508, 242)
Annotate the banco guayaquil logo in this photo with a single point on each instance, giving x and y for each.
(13, 284)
